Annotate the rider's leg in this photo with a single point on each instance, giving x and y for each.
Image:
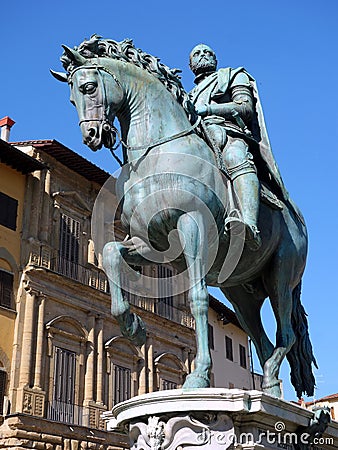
(242, 171)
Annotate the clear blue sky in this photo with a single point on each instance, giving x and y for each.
(290, 48)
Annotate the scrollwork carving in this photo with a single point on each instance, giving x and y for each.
(163, 433)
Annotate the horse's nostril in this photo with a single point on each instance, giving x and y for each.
(91, 132)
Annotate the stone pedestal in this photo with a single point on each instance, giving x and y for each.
(217, 419)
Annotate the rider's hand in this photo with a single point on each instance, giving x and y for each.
(202, 110)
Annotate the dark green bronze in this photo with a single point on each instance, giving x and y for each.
(202, 208)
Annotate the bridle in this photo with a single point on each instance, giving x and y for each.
(104, 123)
(106, 126)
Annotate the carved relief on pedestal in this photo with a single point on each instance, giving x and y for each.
(202, 430)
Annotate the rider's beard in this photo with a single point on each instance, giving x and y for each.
(203, 65)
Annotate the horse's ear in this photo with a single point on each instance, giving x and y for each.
(74, 55)
(60, 76)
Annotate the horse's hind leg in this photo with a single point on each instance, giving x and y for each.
(278, 284)
(196, 252)
(248, 310)
(131, 324)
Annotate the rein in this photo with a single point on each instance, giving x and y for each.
(147, 147)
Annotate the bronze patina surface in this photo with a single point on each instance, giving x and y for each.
(196, 204)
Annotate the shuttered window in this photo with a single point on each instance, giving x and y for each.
(8, 211)
(69, 238)
(165, 302)
(122, 384)
(62, 408)
(64, 376)
(228, 348)
(211, 337)
(6, 289)
(3, 382)
(242, 356)
(167, 385)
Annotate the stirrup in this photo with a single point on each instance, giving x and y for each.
(234, 220)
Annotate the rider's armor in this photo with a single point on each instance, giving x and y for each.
(228, 119)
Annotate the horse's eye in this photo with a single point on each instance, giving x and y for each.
(89, 88)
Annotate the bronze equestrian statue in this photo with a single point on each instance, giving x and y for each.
(205, 196)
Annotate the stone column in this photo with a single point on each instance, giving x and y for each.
(39, 345)
(44, 223)
(15, 375)
(89, 377)
(142, 388)
(100, 356)
(35, 212)
(28, 339)
(186, 360)
(150, 358)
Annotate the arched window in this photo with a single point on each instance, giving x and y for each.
(66, 348)
(123, 367)
(170, 371)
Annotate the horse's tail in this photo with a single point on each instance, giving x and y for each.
(301, 354)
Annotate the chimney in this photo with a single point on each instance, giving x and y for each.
(6, 124)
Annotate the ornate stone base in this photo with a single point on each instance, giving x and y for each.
(219, 419)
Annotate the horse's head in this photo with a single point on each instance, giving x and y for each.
(97, 95)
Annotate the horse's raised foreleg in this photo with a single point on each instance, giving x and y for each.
(248, 310)
(196, 252)
(131, 324)
(280, 294)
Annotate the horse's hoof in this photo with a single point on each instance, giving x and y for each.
(196, 381)
(137, 332)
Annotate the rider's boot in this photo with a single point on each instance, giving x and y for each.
(246, 187)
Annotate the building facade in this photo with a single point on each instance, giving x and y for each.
(329, 401)
(14, 168)
(69, 360)
(232, 365)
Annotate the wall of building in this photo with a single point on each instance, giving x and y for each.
(227, 373)
(330, 402)
(12, 183)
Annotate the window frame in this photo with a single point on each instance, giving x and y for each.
(3, 389)
(6, 204)
(211, 338)
(122, 391)
(229, 350)
(242, 356)
(3, 274)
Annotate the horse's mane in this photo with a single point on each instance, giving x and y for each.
(126, 51)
